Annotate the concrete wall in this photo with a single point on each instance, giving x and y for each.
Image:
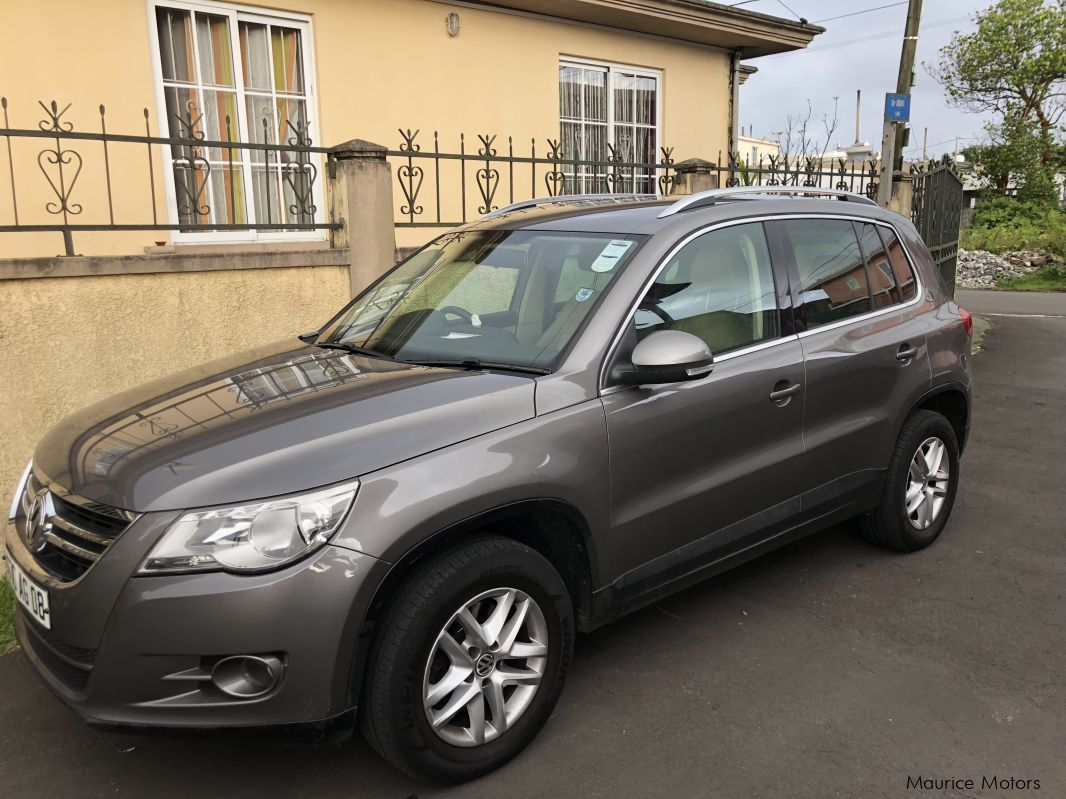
(66, 342)
(380, 65)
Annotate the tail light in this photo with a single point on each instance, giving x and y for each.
(967, 322)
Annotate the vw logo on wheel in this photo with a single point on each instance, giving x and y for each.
(38, 521)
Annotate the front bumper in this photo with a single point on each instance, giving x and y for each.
(126, 650)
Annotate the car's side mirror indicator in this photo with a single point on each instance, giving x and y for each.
(667, 356)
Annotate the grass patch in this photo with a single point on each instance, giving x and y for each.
(1009, 238)
(1050, 278)
(7, 618)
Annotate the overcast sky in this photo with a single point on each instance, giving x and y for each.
(859, 52)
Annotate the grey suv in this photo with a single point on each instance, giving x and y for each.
(537, 423)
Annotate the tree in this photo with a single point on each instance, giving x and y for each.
(1011, 162)
(1014, 66)
(800, 139)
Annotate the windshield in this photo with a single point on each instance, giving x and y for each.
(499, 297)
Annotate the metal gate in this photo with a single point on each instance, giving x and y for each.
(935, 211)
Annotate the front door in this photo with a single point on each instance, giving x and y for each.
(700, 467)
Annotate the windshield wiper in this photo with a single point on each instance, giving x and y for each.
(353, 348)
(474, 364)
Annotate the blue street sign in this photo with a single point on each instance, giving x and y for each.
(897, 107)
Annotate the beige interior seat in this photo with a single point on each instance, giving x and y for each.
(722, 273)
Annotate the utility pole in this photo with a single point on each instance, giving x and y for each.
(897, 107)
(905, 79)
(858, 105)
(925, 144)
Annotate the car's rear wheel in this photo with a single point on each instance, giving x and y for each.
(469, 662)
(919, 492)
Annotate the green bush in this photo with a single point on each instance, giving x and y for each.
(1003, 224)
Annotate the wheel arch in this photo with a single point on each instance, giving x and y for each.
(951, 401)
(552, 527)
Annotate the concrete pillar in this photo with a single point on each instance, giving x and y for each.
(902, 194)
(694, 175)
(361, 199)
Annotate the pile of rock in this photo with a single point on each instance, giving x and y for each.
(979, 269)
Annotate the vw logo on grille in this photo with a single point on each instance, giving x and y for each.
(38, 521)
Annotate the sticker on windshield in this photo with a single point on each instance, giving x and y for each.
(583, 294)
(607, 259)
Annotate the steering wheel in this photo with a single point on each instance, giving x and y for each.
(455, 310)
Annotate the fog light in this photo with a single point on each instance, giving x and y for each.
(247, 676)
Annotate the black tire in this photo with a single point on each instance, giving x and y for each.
(888, 525)
(392, 715)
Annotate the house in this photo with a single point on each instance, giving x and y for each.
(754, 151)
(181, 178)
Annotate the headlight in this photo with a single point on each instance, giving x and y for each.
(19, 490)
(252, 537)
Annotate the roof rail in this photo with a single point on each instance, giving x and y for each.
(705, 198)
(603, 199)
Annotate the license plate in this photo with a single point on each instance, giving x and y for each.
(30, 595)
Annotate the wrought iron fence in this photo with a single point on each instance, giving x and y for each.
(217, 184)
(936, 211)
(438, 188)
(858, 177)
(442, 188)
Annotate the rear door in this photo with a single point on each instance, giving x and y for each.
(862, 326)
(700, 467)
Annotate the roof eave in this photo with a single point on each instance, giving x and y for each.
(690, 21)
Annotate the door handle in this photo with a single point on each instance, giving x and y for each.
(906, 352)
(782, 395)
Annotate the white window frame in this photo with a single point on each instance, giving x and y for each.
(235, 13)
(612, 68)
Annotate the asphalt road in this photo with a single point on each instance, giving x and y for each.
(1013, 303)
(827, 669)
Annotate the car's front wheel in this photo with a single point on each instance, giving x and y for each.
(469, 661)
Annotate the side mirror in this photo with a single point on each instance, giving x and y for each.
(667, 356)
(309, 338)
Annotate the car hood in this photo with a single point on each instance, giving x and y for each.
(267, 422)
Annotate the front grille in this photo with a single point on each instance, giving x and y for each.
(67, 534)
(71, 665)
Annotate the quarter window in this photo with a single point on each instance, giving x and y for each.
(231, 76)
(607, 112)
(832, 275)
(719, 287)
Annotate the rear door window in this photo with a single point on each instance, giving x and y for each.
(832, 275)
(901, 267)
(883, 290)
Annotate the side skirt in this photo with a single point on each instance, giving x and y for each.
(736, 544)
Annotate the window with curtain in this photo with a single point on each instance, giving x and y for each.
(230, 76)
(605, 107)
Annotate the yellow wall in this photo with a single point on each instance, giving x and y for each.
(380, 65)
(67, 342)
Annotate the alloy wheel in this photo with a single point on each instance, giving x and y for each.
(927, 483)
(485, 667)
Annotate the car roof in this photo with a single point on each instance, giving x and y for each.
(637, 215)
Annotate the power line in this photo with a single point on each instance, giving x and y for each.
(917, 147)
(861, 39)
(864, 11)
(790, 11)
